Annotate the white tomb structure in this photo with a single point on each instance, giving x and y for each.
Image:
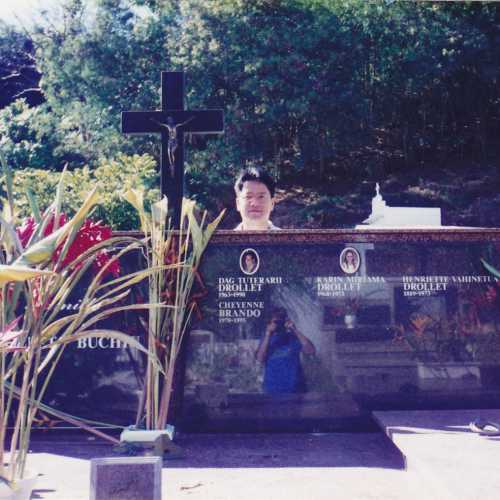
(384, 216)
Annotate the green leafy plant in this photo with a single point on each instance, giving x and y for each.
(492, 270)
(181, 251)
(40, 265)
(111, 176)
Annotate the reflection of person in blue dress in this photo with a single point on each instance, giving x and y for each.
(280, 351)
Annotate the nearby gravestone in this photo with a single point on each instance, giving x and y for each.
(130, 478)
(172, 122)
(383, 215)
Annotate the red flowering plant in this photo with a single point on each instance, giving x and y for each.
(486, 304)
(421, 333)
(466, 335)
(42, 262)
(90, 233)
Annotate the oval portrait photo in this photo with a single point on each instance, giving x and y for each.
(249, 261)
(350, 260)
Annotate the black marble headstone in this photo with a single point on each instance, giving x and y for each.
(397, 320)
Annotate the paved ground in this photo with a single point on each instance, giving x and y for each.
(443, 459)
(244, 467)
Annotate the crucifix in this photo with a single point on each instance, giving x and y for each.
(172, 122)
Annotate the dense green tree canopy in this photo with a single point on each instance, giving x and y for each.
(18, 74)
(326, 90)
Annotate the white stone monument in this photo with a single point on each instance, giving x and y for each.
(383, 216)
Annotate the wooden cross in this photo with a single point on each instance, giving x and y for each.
(172, 122)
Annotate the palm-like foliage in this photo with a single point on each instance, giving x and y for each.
(181, 252)
(35, 281)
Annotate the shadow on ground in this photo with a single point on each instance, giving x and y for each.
(247, 450)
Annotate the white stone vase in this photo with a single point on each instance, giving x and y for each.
(350, 321)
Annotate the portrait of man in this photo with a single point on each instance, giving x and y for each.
(249, 261)
(350, 260)
(254, 189)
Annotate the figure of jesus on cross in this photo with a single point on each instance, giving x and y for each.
(172, 122)
(172, 127)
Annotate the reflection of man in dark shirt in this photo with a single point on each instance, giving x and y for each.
(280, 352)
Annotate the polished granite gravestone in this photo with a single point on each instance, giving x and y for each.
(130, 478)
(398, 320)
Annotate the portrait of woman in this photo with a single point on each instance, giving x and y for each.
(249, 261)
(350, 260)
